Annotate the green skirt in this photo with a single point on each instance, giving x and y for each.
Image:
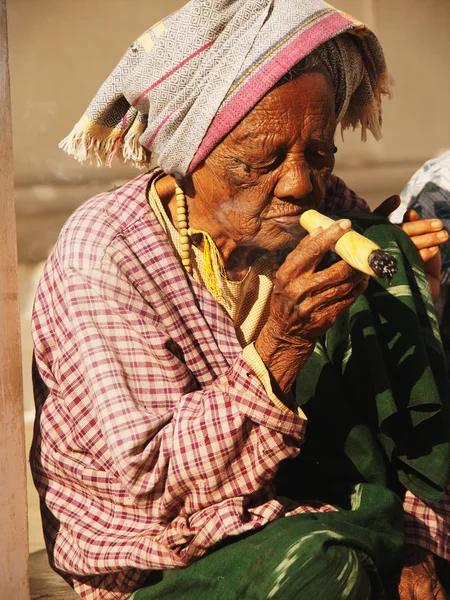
(320, 556)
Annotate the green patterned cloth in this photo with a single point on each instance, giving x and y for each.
(320, 556)
(376, 391)
(376, 394)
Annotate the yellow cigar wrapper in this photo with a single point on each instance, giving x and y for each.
(353, 247)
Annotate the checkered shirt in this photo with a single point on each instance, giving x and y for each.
(340, 197)
(154, 439)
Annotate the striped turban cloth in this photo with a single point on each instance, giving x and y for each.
(183, 85)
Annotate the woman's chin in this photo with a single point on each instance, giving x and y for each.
(289, 227)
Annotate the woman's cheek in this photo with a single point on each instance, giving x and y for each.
(257, 198)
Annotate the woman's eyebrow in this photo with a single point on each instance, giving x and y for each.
(251, 136)
(328, 140)
(259, 140)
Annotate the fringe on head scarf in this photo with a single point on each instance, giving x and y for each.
(185, 83)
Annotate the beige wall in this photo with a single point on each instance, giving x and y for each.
(62, 50)
(57, 66)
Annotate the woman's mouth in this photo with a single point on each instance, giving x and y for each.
(288, 220)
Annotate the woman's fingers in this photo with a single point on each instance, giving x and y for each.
(418, 578)
(426, 234)
(421, 587)
(415, 226)
(325, 296)
(310, 251)
(303, 307)
(304, 241)
(429, 240)
(305, 302)
(309, 305)
(422, 226)
(412, 215)
(321, 311)
(427, 254)
(336, 278)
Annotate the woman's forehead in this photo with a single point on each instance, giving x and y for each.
(305, 101)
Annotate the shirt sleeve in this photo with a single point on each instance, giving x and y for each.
(339, 197)
(427, 524)
(255, 362)
(134, 443)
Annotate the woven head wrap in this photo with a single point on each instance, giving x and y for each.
(188, 80)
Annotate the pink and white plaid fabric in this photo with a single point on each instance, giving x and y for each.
(154, 439)
(340, 197)
(428, 524)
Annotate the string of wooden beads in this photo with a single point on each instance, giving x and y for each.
(183, 227)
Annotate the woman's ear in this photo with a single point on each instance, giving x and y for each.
(188, 183)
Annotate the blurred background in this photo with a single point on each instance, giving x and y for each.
(62, 50)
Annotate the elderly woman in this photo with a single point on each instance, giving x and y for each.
(186, 328)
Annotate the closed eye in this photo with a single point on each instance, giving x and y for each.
(268, 165)
(324, 156)
(259, 167)
(323, 152)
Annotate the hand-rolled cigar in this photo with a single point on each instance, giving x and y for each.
(357, 250)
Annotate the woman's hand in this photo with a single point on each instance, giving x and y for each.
(418, 578)
(426, 234)
(305, 303)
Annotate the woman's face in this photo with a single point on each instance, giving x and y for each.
(273, 166)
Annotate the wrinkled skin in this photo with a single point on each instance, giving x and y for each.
(248, 195)
(252, 188)
(418, 578)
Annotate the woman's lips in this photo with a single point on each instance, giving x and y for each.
(288, 219)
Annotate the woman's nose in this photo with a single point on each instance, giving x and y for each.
(295, 182)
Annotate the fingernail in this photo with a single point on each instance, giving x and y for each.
(345, 224)
(433, 249)
(436, 224)
(442, 235)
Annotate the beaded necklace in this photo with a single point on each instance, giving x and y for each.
(213, 263)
